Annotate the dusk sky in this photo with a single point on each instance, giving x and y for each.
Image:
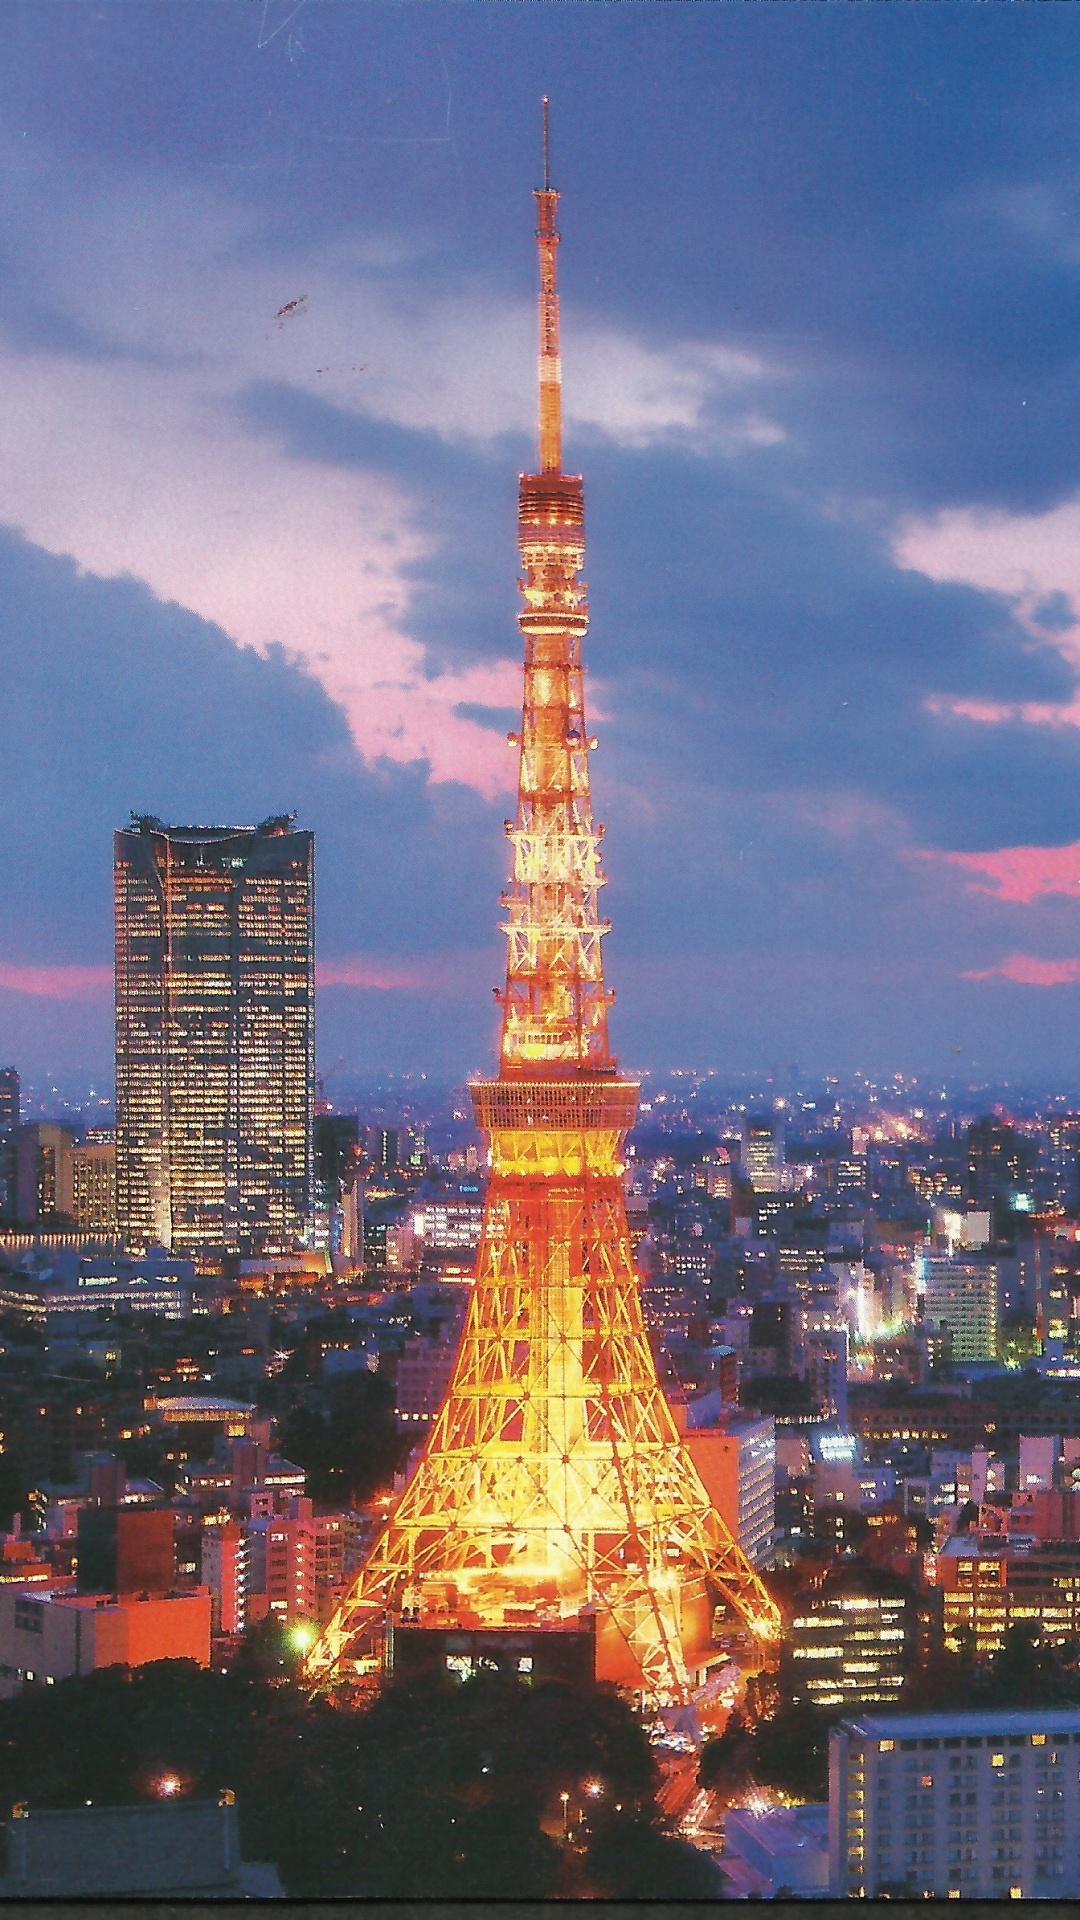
(267, 319)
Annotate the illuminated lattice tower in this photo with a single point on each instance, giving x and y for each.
(555, 1484)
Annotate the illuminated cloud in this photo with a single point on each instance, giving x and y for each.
(1024, 970)
(57, 983)
(383, 976)
(1018, 874)
(122, 445)
(1033, 560)
(451, 975)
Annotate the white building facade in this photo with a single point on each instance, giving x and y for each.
(982, 1806)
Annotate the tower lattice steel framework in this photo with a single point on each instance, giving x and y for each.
(555, 1483)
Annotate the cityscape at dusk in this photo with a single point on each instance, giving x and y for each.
(594, 1416)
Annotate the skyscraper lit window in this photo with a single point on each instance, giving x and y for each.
(215, 1035)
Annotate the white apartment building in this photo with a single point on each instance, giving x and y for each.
(963, 1298)
(974, 1806)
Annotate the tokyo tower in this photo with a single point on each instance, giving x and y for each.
(555, 1488)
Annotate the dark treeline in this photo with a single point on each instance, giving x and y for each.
(440, 1791)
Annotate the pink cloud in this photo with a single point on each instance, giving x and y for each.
(1018, 874)
(1002, 713)
(57, 983)
(1027, 971)
(453, 975)
(385, 976)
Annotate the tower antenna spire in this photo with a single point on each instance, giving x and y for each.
(547, 239)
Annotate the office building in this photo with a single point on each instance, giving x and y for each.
(43, 1175)
(852, 1639)
(962, 1301)
(763, 1152)
(9, 1121)
(384, 1148)
(1000, 1164)
(976, 1806)
(988, 1586)
(93, 1187)
(1064, 1131)
(825, 1367)
(215, 1036)
(155, 1283)
(450, 1225)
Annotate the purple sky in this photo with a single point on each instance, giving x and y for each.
(267, 311)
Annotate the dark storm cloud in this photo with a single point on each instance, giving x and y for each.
(116, 702)
(742, 634)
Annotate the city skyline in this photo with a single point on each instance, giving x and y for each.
(285, 323)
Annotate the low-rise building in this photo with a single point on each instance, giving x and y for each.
(48, 1635)
(784, 1850)
(988, 1586)
(981, 1805)
(161, 1850)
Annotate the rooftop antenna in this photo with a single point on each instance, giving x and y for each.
(547, 149)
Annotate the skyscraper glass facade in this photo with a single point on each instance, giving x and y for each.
(215, 1035)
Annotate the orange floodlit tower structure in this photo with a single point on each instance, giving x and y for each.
(555, 1489)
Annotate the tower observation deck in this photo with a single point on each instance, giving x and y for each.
(555, 1492)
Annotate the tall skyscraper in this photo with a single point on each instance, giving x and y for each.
(9, 1121)
(763, 1151)
(215, 1035)
(1064, 1130)
(9, 1099)
(556, 1496)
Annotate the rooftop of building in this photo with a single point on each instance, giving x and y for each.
(65, 1596)
(180, 1848)
(196, 1406)
(149, 823)
(978, 1722)
(782, 1831)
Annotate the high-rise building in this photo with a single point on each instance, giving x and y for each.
(825, 1366)
(962, 1300)
(1064, 1130)
(384, 1148)
(999, 1167)
(93, 1186)
(281, 1565)
(9, 1121)
(763, 1151)
(978, 1806)
(735, 1454)
(215, 1036)
(556, 1498)
(43, 1174)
